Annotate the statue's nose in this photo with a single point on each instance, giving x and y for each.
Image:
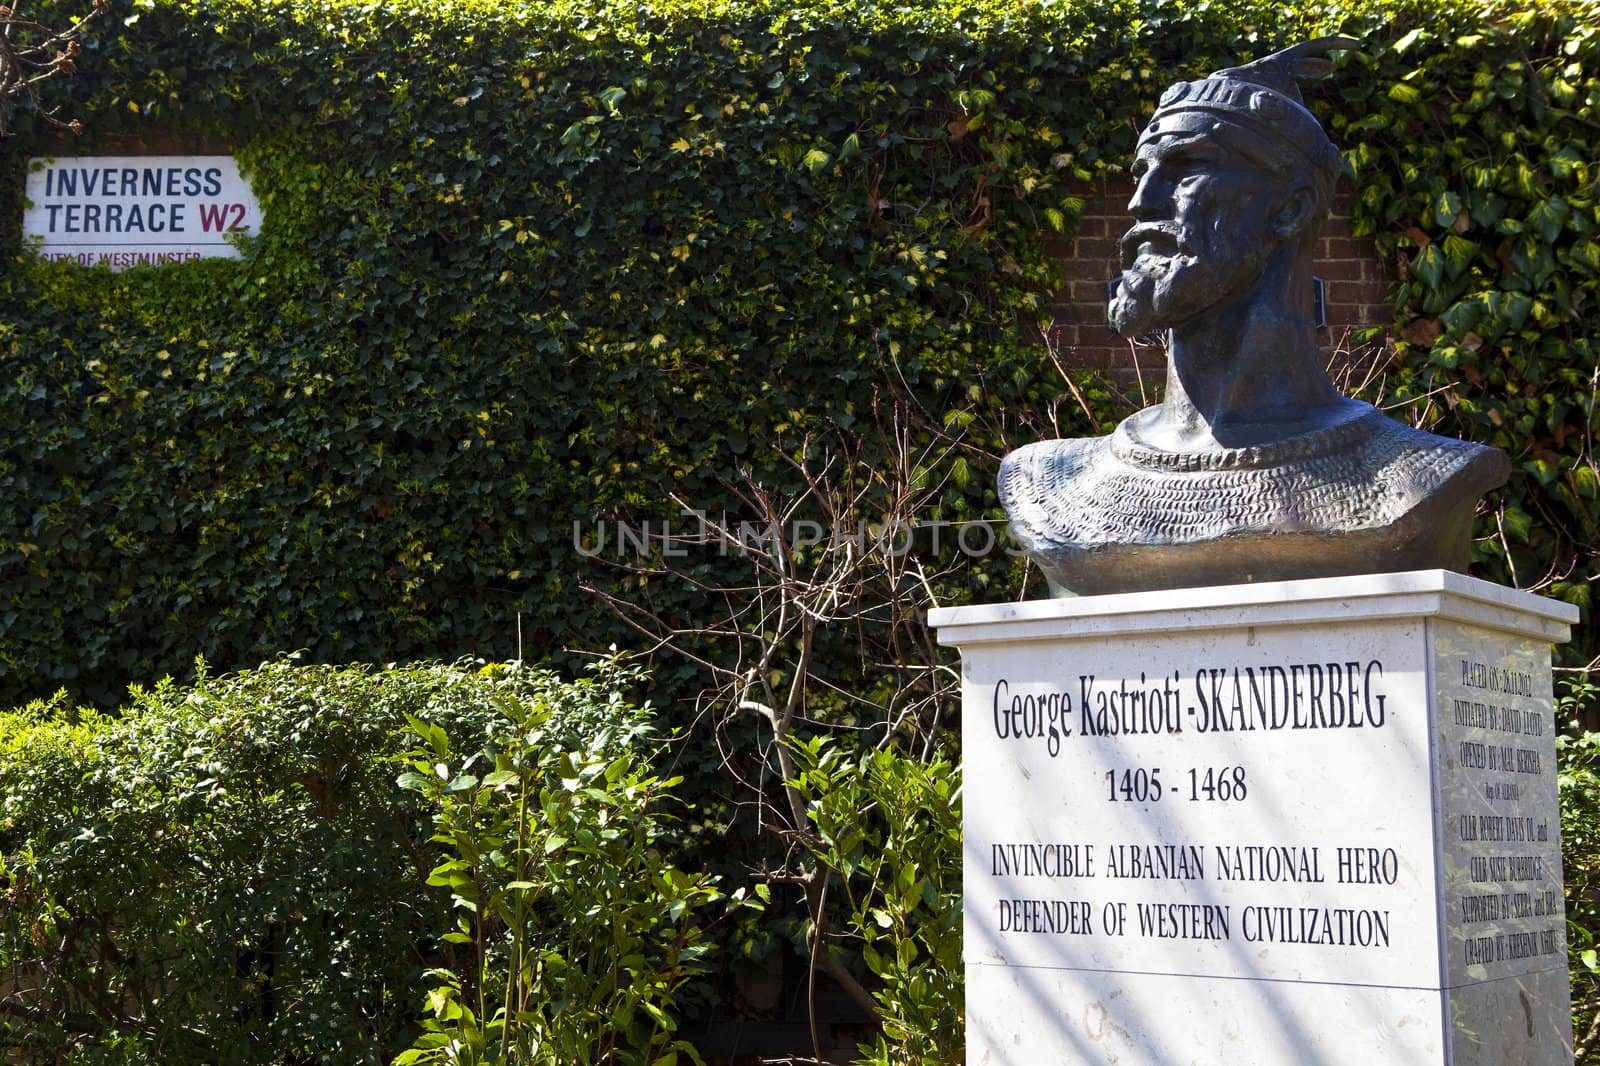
(1152, 199)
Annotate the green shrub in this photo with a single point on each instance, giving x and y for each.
(229, 873)
(1578, 777)
(579, 934)
(889, 827)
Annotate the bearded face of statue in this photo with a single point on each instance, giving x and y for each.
(1202, 232)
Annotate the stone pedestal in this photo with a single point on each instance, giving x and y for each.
(1310, 822)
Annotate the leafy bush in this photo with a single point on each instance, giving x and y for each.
(889, 827)
(229, 872)
(581, 933)
(1578, 777)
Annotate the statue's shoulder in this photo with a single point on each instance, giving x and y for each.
(1048, 463)
(1379, 488)
(1044, 488)
(1412, 466)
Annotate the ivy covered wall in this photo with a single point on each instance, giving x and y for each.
(528, 265)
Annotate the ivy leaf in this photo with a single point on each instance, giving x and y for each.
(1587, 255)
(1532, 261)
(1584, 481)
(1542, 469)
(1462, 317)
(1404, 44)
(1458, 253)
(1446, 206)
(1429, 266)
(1401, 93)
(1517, 307)
(1549, 218)
(1518, 524)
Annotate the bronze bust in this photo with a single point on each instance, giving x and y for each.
(1253, 467)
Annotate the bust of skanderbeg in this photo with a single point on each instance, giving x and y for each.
(1253, 467)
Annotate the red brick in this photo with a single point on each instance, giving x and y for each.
(1089, 292)
(1119, 359)
(1340, 270)
(1102, 248)
(1354, 293)
(1348, 248)
(1056, 247)
(1080, 269)
(1063, 337)
(1361, 293)
(1337, 227)
(1357, 285)
(1152, 360)
(1098, 333)
(1081, 314)
(1358, 315)
(1086, 358)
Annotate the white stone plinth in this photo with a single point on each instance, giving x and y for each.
(1308, 822)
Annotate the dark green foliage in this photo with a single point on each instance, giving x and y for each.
(525, 267)
(520, 282)
(1578, 762)
(1474, 146)
(578, 934)
(229, 873)
(889, 826)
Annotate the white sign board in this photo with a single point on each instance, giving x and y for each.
(120, 211)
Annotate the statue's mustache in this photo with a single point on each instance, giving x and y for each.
(1161, 239)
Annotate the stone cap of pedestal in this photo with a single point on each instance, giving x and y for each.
(1328, 600)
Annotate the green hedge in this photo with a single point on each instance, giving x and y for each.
(230, 873)
(1474, 152)
(528, 265)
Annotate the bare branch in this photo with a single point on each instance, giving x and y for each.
(833, 561)
(31, 54)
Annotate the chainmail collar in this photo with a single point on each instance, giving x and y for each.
(1362, 474)
(1127, 446)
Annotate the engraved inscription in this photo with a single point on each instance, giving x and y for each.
(1504, 909)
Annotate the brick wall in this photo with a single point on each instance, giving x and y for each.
(1355, 281)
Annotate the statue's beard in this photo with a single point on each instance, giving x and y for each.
(1165, 280)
